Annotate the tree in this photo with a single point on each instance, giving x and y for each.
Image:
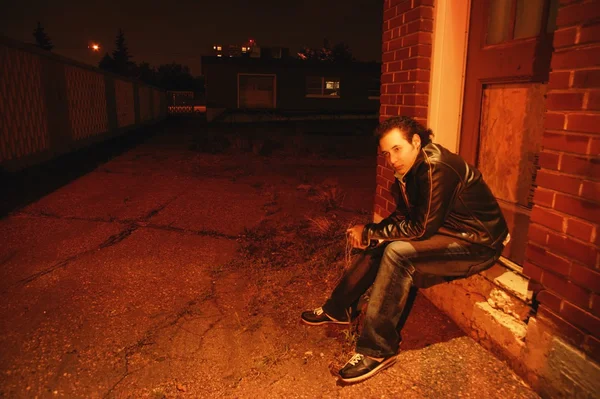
(107, 63)
(146, 73)
(41, 38)
(175, 77)
(307, 54)
(121, 56)
(340, 53)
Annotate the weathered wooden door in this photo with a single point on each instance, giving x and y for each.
(508, 61)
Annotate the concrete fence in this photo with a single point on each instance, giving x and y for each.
(51, 105)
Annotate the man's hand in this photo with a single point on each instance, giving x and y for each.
(355, 236)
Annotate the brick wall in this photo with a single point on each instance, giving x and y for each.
(562, 256)
(405, 74)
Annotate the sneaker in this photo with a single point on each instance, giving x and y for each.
(318, 316)
(361, 367)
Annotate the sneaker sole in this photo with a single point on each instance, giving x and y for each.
(384, 365)
(319, 323)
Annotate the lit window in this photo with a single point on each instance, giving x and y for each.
(244, 49)
(332, 84)
(219, 55)
(318, 86)
(219, 48)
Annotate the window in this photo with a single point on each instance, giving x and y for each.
(318, 86)
(519, 19)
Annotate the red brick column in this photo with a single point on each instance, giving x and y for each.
(405, 74)
(562, 254)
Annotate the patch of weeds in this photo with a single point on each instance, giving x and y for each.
(293, 255)
(275, 358)
(331, 198)
(212, 143)
(271, 207)
(240, 143)
(350, 336)
(321, 225)
(328, 194)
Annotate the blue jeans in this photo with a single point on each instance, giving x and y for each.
(393, 269)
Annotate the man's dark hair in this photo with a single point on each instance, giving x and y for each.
(408, 126)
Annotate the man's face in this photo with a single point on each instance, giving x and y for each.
(399, 152)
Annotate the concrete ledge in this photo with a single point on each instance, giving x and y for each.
(493, 327)
(555, 368)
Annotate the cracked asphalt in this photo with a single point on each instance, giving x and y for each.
(119, 284)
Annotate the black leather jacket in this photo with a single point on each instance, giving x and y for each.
(441, 194)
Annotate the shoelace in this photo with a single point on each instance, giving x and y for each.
(318, 311)
(355, 359)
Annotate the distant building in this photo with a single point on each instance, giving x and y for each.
(249, 49)
(283, 85)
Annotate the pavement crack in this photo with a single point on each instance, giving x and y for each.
(79, 218)
(110, 241)
(148, 337)
(141, 222)
(52, 268)
(120, 236)
(155, 211)
(206, 233)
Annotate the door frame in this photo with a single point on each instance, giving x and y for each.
(448, 71)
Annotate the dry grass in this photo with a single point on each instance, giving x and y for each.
(331, 198)
(320, 225)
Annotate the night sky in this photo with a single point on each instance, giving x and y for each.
(181, 31)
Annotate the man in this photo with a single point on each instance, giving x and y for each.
(447, 225)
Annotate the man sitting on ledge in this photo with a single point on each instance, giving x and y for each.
(447, 225)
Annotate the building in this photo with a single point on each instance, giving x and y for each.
(288, 85)
(248, 49)
(514, 87)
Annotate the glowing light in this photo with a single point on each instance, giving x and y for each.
(94, 47)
